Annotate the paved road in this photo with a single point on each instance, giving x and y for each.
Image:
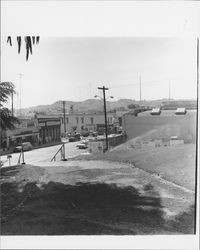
(45, 154)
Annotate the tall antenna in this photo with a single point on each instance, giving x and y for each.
(20, 93)
(90, 86)
(140, 90)
(169, 90)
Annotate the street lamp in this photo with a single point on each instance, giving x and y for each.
(102, 98)
(105, 112)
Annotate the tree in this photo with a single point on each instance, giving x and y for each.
(7, 120)
(29, 42)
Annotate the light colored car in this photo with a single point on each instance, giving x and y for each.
(83, 144)
(26, 147)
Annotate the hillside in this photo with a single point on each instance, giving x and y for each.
(88, 105)
(84, 106)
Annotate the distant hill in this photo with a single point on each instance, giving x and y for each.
(84, 106)
(88, 106)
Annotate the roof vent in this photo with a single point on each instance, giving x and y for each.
(155, 111)
(181, 111)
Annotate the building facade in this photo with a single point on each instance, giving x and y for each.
(42, 129)
(49, 129)
(26, 130)
(91, 122)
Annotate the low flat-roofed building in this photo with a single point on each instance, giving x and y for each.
(166, 113)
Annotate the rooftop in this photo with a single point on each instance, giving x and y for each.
(165, 113)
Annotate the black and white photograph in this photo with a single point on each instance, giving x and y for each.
(98, 134)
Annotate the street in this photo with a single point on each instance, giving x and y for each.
(44, 154)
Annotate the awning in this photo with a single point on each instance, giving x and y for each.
(18, 136)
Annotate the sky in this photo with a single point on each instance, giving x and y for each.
(67, 68)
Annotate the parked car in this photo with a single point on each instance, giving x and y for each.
(82, 145)
(26, 147)
(75, 137)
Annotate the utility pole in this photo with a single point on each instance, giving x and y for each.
(90, 86)
(169, 90)
(105, 114)
(140, 90)
(12, 109)
(20, 92)
(64, 102)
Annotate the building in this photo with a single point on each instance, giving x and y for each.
(92, 122)
(174, 104)
(49, 128)
(165, 124)
(26, 130)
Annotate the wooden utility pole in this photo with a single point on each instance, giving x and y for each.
(20, 93)
(105, 113)
(169, 90)
(64, 102)
(12, 109)
(140, 90)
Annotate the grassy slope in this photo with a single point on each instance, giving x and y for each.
(176, 164)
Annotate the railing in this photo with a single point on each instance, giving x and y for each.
(62, 152)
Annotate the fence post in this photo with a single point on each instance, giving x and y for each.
(63, 152)
(22, 151)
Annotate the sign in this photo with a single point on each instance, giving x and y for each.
(53, 123)
(41, 124)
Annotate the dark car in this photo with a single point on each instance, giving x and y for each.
(26, 147)
(75, 137)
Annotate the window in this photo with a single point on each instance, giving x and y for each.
(92, 120)
(77, 119)
(82, 119)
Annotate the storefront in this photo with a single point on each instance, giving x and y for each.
(49, 129)
(28, 136)
(26, 131)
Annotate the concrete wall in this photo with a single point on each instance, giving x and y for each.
(184, 126)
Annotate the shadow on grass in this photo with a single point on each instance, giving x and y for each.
(10, 171)
(83, 209)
